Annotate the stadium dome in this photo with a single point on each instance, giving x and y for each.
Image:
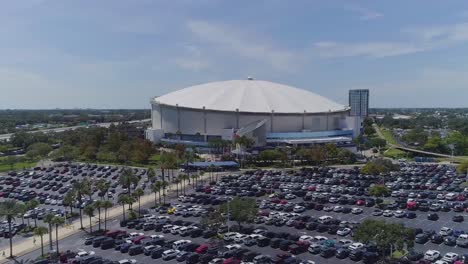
(264, 111)
(249, 96)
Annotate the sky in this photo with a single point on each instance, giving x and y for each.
(120, 53)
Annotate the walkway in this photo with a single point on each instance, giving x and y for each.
(27, 245)
(379, 133)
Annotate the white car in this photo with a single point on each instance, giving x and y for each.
(343, 231)
(432, 255)
(399, 214)
(84, 254)
(345, 242)
(442, 262)
(306, 238)
(355, 246)
(232, 246)
(240, 238)
(320, 238)
(230, 236)
(450, 257)
(445, 231)
(170, 254)
(338, 209)
(388, 213)
(156, 236)
(356, 211)
(127, 261)
(216, 261)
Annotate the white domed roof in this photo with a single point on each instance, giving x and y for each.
(250, 96)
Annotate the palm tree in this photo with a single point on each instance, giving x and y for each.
(41, 231)
(98, 206)
(81, 188)
(123, 200)
(156, 188)
(106, 205)
(194, 178)
(103, 186)
(57, 221)
(138, 193)
(69, 199)
(31, 204)
(176, 181)
(128, 178)
(151, 174)
(89, 211)
(9, 209)
(48, 219)
(163, 185)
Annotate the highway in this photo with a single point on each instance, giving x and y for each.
(61, 129)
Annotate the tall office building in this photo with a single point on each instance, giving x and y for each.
(359, 102)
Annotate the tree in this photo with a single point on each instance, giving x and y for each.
(379, 190)
(38, 150)
(102, 186)
(242, 210)
(57, 221)
(128, 178)
(106, 205)
(138, 193)
(89, 211)
(65, 153)
(98, 206)
(164, 184)
(387, 236)
(379, 166)
(40, 231)
(151, 174)
(31, 204)
(48, 218)
(213, 220)
(81, 188)
(123, 200)
(463, 167)
(10, 209)
(69, 200)
(177, 181)
(156, 188)
(271, 155)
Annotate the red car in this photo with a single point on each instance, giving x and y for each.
(360, 202)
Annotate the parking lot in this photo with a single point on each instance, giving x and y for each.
(292, 206)
(49, 184)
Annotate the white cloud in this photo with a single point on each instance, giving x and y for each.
(232, 40)
(419, 39)
(365, 13)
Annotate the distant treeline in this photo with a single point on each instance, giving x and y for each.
(10, 119)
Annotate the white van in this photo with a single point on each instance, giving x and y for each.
(230, 236)
(462, 240)
(450, 196)
(167, 228)
(180, 243)
(324, 219)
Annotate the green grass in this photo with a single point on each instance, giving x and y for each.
(395, 153)
(397, 254)
(17, 166)
(388, 136)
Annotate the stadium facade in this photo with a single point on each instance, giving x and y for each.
(269, 113)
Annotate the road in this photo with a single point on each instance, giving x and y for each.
(61, 129)
(379, 133)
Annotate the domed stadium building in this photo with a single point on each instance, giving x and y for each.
(269, 113)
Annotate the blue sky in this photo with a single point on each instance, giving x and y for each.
(118, 54)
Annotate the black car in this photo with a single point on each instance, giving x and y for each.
(356, 255)
(411, 215)
(450, 241)
(157, 253)
(135, 250)
(327, 252)
(342, 253)
(415, 255)
(437, 239)
(458, 218)
(433, 217)
(370, 257)
(192, 258)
